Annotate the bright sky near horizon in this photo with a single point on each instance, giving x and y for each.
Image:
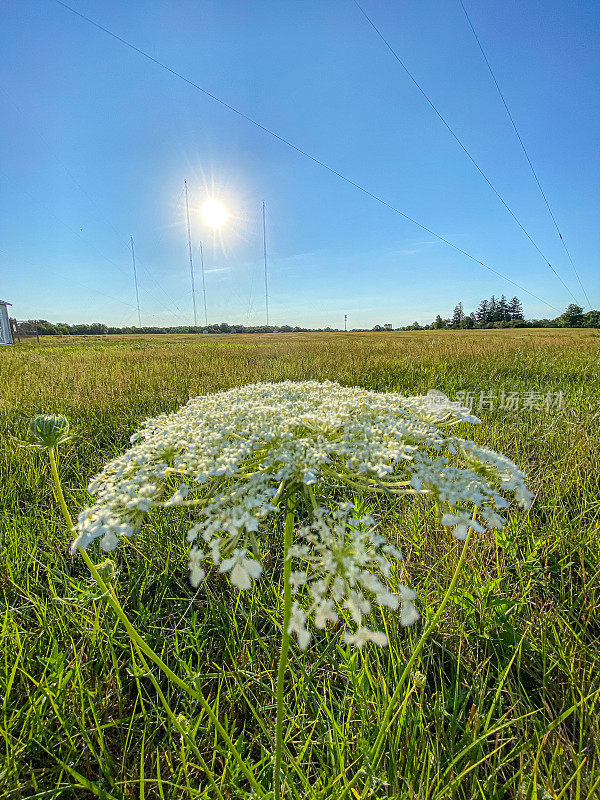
(96, 143)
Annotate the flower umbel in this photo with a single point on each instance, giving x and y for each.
(235, 457)
(49, 430)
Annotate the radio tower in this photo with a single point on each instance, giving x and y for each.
(187, 212)
(137, 295)
(265, 255)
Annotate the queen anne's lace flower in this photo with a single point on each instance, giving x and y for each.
(364, 635)
(460, 524)
(343, 557)
(236, 456)
(243, 569)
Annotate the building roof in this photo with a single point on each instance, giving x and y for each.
(5, 303)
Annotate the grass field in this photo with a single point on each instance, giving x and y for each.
(505, 700)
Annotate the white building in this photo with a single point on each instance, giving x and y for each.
(5, 332)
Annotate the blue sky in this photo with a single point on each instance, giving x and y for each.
(96, 142)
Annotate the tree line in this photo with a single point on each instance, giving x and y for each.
(492, 313)
(45, 328)
(503, 313)
(488, 311)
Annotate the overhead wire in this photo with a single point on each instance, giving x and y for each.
(460, 143)
(534, 173)
(302, 152)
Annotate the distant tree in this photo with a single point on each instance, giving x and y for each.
(482, 312)
(515, 309)
(439, 323)
(502, 310)
(468, 321)
(493, 315)
(591, 319)
(572, 318)
(458, 315)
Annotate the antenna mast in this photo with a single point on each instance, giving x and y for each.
(203, 285)
(265, 255)
(187, 212)
(137, 295)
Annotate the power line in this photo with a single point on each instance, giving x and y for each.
(460, 143)
(302, 152)
(534, 173)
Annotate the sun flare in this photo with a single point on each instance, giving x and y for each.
(213, 213)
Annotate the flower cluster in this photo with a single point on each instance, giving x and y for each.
(342, 557)
(235, 456)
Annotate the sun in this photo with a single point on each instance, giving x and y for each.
(213, 213)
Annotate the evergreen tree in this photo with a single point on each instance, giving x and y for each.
(515, 309)
(492, 310)
(439, 323)
(482, 312)
(502, 309)
(457, 315)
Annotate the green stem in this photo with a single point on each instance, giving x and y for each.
(285, 643)
(135, 637)
(58, 486)
(385, 721)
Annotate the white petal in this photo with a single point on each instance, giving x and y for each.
(460, 531)
(379, 638)
(227, 564)
(197, 575)
(240, 578)
(450, 519)
(408, 614)
(416, 483)
(109, 541)
(253, 567)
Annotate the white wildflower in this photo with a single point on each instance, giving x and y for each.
(364, 635)
(461, 523)
(358, 605)
(297, 579)
(408, 611)
(197, 573)
(179, 496)
(492, 520)
(297, 625)
(243, 452)
(324, 613)
(243, 569)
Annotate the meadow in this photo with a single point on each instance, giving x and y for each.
(503, 703)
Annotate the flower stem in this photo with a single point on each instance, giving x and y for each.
(58, 487)
(140, 644)
(385, 721)
(285, 643)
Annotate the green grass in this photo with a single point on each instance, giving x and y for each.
(504, 702)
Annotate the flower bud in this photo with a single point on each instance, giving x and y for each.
(49, 430)
(419, 680)
(107, 570)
